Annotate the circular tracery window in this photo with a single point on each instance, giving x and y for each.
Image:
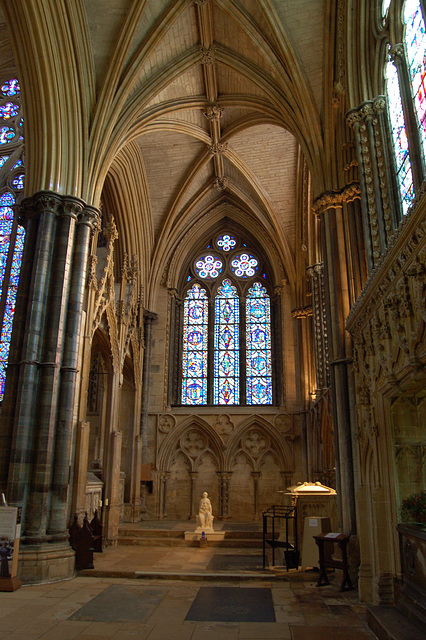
(208, 267)
(226, 242)
(244, 265)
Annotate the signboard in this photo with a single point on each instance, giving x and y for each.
(10, 531)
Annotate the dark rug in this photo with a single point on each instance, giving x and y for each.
(236, 563)
(232, 604)
(121, 603)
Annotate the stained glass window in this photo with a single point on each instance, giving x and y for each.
(226, 345)
(226, 356)
(194, 360)
(244, 265)
(226, 242)
(415, 45)
(258, 346)
(11, 233)
(208, 267)
(396, 115)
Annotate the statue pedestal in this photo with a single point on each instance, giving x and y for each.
(209, 534)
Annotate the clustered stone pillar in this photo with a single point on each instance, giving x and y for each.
(380, 204)
(335, 216)
(320, 326)
(43, 375)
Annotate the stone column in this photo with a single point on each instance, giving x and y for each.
(377, 183)
(319, 313)
(30, 220)
(146, 382)
(48, 387)
(163, 475)
(338, 294)
(194, 476)
(88, 220)
(224, 477)
(256, 476)
(45, 206)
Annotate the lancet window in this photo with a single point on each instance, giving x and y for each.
(12, 234)
(406, 91)
(226, 348)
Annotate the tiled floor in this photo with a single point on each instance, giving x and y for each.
(49, 612)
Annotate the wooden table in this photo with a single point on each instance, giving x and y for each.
(325, 562)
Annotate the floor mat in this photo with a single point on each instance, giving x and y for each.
(121, 603)
(232, 604)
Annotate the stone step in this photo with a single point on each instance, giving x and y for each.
(159, 534)
(179, 541)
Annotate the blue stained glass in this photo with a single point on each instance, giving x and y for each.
(194, 360)
(6, 135)
(208, 267)
(18, 182)
(244, 265)
(226, 345)
(2, 377)
(258, 346)
(415, 44)
(18, 164)
(11, 87)
(400, 142)
(5, 231)
(226, 242)
(9, 110)
(3, 159)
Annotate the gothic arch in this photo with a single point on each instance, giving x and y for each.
(265, 439)
(174, 442)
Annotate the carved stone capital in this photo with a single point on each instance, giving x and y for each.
(71, 207)
(302, 312)
(336, 199)
(91, 217)
(354, 117)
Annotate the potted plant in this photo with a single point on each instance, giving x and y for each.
(413, 509)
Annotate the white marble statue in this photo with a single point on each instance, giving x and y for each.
(205, 516)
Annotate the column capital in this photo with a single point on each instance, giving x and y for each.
(91, 217)
(71, 207)
(335, 199)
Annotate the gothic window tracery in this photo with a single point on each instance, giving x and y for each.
(406, 91)
(12, 234)
(226, 348)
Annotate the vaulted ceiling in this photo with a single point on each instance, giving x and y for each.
(208, 101)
